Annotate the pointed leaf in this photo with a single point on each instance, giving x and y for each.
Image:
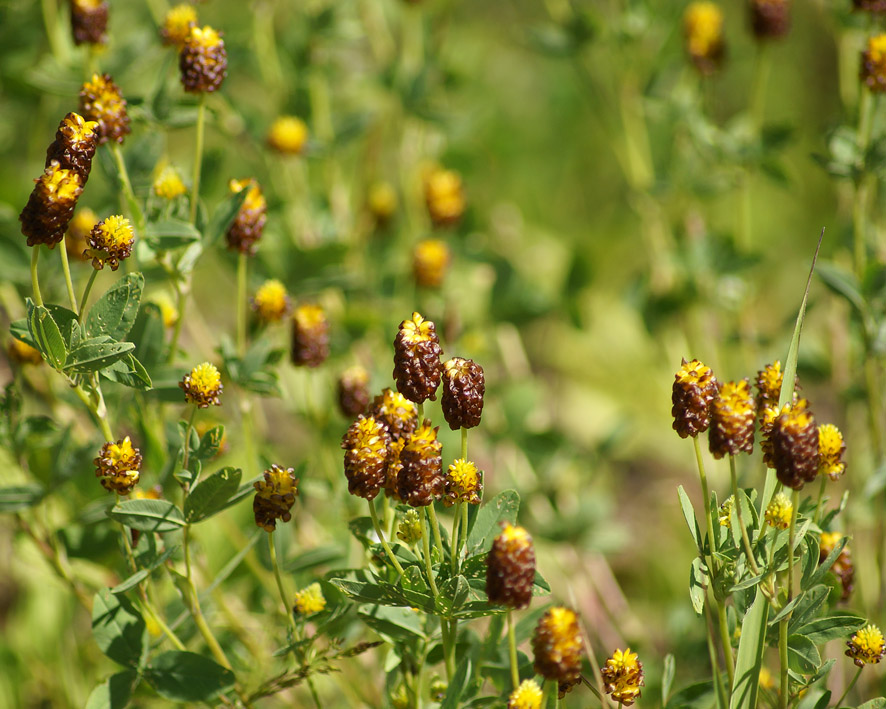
(211, 496)
(46, 335)
(19, 497)
(114, 313)
(97, 353)
(148, 515)
(117, 627)
(501, 508)
(750, 655)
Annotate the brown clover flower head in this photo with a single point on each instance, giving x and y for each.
(117, 466)
(526, 696)
(623, 676)
(246, 230)
(271, 302)
(102, 101)
(74, 145)
(274, 497)
(309, 600)
(202, 386)
(875, 7)
(866, 647)
(395, 465)
(77, 236)
(770, 19)
(464, 386)
(444, 196)
(397, 412)
(767, 421)
(831, 448)
(310, 336)
(557, 646)
(779, 511)
(732, 420)
(420, 480)
(417, 368)
(382, 202)
(464, 483)
(695, 387)
(510, 568)
(768, 383)
(110, 242)
(288, 135)
(22, 353)
(177, 25)
(366, 456)
(168, 183)
(353, 391)
(794, 438)
(703, 30)
(89, 21)
(430, 261)
(843, 568)
(203, 61)
(51, 205)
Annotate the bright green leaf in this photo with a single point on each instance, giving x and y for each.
(117, 627)
(148, 515)
(114, 313)
(212, 494)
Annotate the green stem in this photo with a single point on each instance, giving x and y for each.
(198, 157)
(848, 688)
(66, 269)
(381, 538)
(181, 290)
(715, 664)
(862, 185)
(421, 413)
(426, 546)
(194, 606)
(783, 625)
(187, 444)
(286, 609)
(241, 303)
(821, 489)
(86, 291)
(137, 214)
(432, 516)
(512, 650)
(50, 20)
(97, 409)
(749, 553)
(454, 543)
(35, 283)
(464, 444)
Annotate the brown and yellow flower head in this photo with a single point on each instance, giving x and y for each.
(417, 368)
(770, 19)
(353, 391)
(102, 101)
(420, 480)
(51, 205)
(366, 456)
(271, 302)
(510, 568)
(203, 61)
(527, 696)
(117, 466)
(309, 600)
(831, 448)
(410, 531)
(703, 29)
(177, 25)
(77, 236)
(867, 646)
(202, 386)
(557, 646)
(794, 438)
(732, 420)
(310, 336)
(768, 383)
(695, 387)
(843, 568)
(779, 511)
(74, 145)
(168, 183)
(430, 261)
(397, 412)
(767, 421)
(274, 497)
(873, 64)
(623, 677)
(89, 21)
(464, 483)
(22, 353)
(464, 386)
(110, 242)
(875, 7)
(288, 135)
(724, 516)
(394, 466)
(444, 196)
(249, 224)
(382, 202)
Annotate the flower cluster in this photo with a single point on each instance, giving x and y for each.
(693, 391)
(117, 466)
(309, 600)
(110, 242)
(464, 483)
(866, 647)
(246, 230)
(464, 386)
(102, 101)
(444, 196)
(430, 260)
(417, 367)
(271, 302)
(366, 456)
(274, 497)
(703, 29)
(557, 646)
(89, 21)
(288, 135)
(843, 567)
(203, 61)
(510, 568)
(202, 386)
(353, 391)
(623, 677)
(310, 336)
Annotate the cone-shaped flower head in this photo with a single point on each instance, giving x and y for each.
(177, 25)
(831, 448)
(695, 387)
(51, 205)
(770, 19)
(527, 696)
(843, 567)
(202, 385)
(274, 497)
(249, 224)
(794, 439)
(703, 29)
(417, 368)
(767, 421)
(117, 466)
(510, 568)
(366, 454)
(203, 61)
(779, 511)
(89, 21)
(397, 412)
(309, 600)
(77, 236)
(430, 261)
(420, 480)
(395, 465)
(464, 386)
(102, 101)
(74, 145)
(867, 646)
(382, 201)
(463, 483)
(623, 677)
(732, 420)
(409, 531)
(168, 183)
(22, 353)
(288, 135)
(353, 391)
(271, 302)
(724, 516)
(444, 196)
(768, 383)
(110, 242)
(556, 645)
(310, 336)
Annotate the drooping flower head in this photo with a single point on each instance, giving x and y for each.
(110, 242)
(74, 145)
(203, 61)
(51, 205)
(310, 600)
(510, 568)
(695, 387)
(623, 677)
(557, 646)
(271, 302)
(274, 497)
(89, 21)
(353, 391)
(246, 230)
(117, 466)
(102, 101)
(464, 386)
(527, 696)
(177, 25)
(867, 646)
(417, 367)
(703, 29)
(444, 196)
(794, 438)
(732, 420)
(430, 261)
(202, 386)
(397, 412)
(310, 336)
(779, 511)
(831, 448)
(288, 135)
(366, 454)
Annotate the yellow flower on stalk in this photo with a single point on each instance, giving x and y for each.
(867, 646)
(732, 420)
(168, 183)
(310, 336)
(203, 61)
(288, 135)
(444, 196)
(830, 451)
(101, 100)
(51, 205)
(178, 24)
(694, 388)
(463, 482)
(779, 511)
(110, 242)
(430, 260)
(527, 696)
(873, 64)
(623, 676)
(766, 680)
(271, 302)
(703, 28)
(202, 386)
(557, 647)
(309, 600)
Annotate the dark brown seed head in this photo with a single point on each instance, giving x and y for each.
(74, 145)
(202, 386)
(246, 230)
(51, 205)
(102, 101)
(310, 336)
(420, 480)
(417, 367)
(274, 497)
(366, 456)
(768, 383)
(397, 412)
(732, 420)
(794, 440)
(117, 466)
(770, 19)
(203, 61)
(394, 466)
(557, 645)
(510, 568)
(353, 391)
(89, 21)
(463, 388)
(695, 387)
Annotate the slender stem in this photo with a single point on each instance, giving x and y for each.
(715, 664)
(272, 548)
(86, 291)
(848, 688)
(181, 298)
(241, 303)
(187, 444)
(726, 641)
(421, 413)
(454, 540)
(149, 608)
(35, 283)
(137, 214)
(50, 20)
(512, 650)
(749, 553)
(432, 516)
(426, 545)
(194, 606)
(821, 489)
(198, 157)
(381, 538)
(66, 269)
(783, 625)
(97, 411)
(464, 444)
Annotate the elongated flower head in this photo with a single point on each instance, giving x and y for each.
(409, 531)
(117, 466)
(397, 412)
(794, 439)
(51, 205)
(430, 261)
(417, 368)
(382, 201)
(526, 696)
(202, 385)
(732, 420)
(768, 383)
(703, 29)
(724, 516)
(444, 196)
(623, 676)
(556, 645)
(74, 145)
(464, 386)
(246, 230)
(779, 511)
(89, 21)
(271, 302)
(420, 480)
(770, 19)
(168, 183)
(695, 387)
(203, 61)
(353, 391)
(873, 64)
(767, 421)
(177, 25)
(395, 465)
(831, 448)
(110, 242)
(366, 455)
(288, 135)
(77, 236)
(867, 646)
(274, 497)
(463, 483)
(310, 336)
(844, 567)
(22, 353)
(102, 101)
(310, 600)
(510, 568)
